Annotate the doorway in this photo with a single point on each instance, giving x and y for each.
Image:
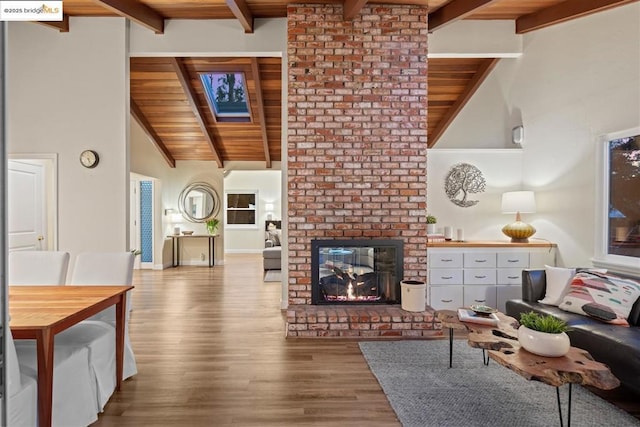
(142, 220)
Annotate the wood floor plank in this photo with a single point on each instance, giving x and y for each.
(211, 351)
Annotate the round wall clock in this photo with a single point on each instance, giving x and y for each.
(89, 159)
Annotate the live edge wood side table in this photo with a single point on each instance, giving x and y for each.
(576, 367)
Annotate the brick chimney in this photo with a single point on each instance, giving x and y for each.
(357, 139)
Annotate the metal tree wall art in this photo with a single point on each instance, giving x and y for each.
(462, 180)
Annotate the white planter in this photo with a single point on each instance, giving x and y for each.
(543, 343)
(431, 229)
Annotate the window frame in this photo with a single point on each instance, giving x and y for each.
(253, 226)
(603, 259)
(221, 116)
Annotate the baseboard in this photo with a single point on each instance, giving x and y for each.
(243, 251)
(194, 262)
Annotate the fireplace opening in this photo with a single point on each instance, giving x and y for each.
(356, 271)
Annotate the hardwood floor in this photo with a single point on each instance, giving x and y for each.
(211, 351)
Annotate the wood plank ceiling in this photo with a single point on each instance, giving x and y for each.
(168, 95)
(168, 101)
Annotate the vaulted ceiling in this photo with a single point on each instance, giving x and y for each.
(169, 103)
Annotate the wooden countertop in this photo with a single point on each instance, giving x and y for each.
(490, 244)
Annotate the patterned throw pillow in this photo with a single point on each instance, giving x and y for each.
(604, 296)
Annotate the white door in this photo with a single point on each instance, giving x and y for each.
(134, 218)
(26, 206)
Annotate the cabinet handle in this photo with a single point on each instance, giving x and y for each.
(446, 300)
(481, 260)
(480, 300)
(512, 260)
(446, 259)
(446, 277)
(480, 277)
(513, 277)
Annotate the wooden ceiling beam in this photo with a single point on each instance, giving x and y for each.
(454, 11)
(139, 116)
(183, 77)
(563, 12)
(484, 70)
(255, 70)
(351, 8)
(62, 26)
(241, 11)
(137, 12)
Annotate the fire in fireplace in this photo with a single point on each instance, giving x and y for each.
(356, 271)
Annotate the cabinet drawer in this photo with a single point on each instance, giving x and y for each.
(480, 276)
(445, 260)
(513, 259)
(445, 297)
(479, 295)
(480, 259)
(505, 293)
(445, 276)
(509, 276)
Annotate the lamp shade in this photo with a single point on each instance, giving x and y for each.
(268, 206)
(518, 201)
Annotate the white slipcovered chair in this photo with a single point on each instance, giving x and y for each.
(73, 384)
(103, 268)
(38, 267)
(73, 401)
(22, 390)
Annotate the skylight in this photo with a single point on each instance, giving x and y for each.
(227, 96)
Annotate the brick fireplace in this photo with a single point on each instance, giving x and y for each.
(356, 156)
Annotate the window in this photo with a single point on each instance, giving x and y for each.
(240, 209)
(620, 202)
(227, 96)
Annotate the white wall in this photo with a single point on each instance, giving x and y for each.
(67, 92)
(267, 183)
(502, 171)
(195, 37)
(574, 82)
(476, 39)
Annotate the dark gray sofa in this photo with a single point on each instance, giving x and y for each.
(616, 346)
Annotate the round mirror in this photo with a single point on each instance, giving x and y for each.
(198, 202)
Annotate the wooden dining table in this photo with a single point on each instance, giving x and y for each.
(40, 312)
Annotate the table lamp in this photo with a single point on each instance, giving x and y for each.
(268, 207)
(518, 202)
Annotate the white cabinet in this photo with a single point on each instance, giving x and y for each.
(489, 273)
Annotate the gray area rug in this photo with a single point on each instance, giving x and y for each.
(423, 391)
(273, 276)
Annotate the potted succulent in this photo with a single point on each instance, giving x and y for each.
(212, 225)
(544, 335)
(431, 224)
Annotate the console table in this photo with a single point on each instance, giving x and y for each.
(176, 246)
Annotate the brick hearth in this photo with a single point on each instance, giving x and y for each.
(370, 321)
